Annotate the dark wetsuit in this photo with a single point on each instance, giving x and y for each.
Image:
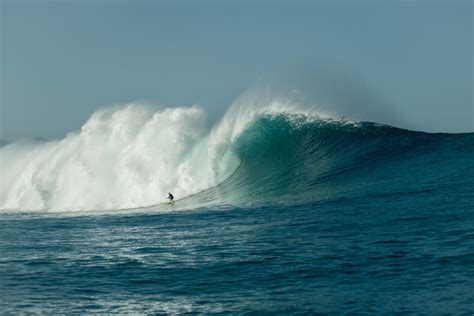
(170, 196)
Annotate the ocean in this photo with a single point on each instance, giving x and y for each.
(276, 212)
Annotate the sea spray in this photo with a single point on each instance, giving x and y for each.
(123, 157)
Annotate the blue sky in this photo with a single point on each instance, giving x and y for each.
(61, 60)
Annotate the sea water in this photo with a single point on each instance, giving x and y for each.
(278, 211)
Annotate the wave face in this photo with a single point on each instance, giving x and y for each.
(131, 156)
(294, 159)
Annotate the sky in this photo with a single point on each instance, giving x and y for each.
(62, 60)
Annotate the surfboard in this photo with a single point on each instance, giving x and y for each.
(167, 202)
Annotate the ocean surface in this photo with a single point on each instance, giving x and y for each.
(281, 212)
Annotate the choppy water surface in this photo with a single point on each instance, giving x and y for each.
(347, 255)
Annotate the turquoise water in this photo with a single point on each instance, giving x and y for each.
(319, 217)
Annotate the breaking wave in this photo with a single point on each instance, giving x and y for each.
(275, 151)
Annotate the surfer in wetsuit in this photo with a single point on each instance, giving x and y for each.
(170, 197)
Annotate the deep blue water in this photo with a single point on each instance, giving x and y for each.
(364, 219)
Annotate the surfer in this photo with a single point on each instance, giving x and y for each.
(170, 197)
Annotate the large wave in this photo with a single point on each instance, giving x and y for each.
(262, 150)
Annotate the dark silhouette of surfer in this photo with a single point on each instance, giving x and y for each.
(170, 197)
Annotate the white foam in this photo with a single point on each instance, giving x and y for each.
(123, 157)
